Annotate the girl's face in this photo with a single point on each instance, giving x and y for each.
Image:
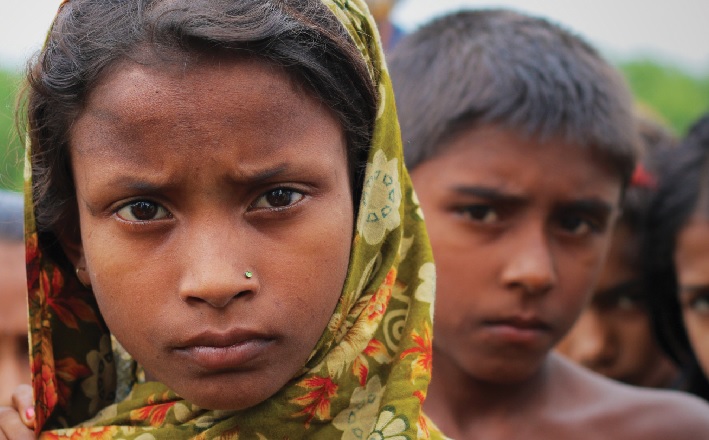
(216, 221)
(692, 259)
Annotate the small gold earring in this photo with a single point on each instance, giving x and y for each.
(248, 274)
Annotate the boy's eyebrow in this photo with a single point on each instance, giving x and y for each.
(590, 205)
(491, 194)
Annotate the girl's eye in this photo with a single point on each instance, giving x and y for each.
(700, 304)
(278, 198)
(479, 213)
(628, 303)
(142, 211)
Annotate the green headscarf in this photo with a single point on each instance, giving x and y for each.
(367, 376)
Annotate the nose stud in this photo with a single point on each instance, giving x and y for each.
(248, 274)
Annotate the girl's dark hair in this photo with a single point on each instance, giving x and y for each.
(684, 186)
(89, 36)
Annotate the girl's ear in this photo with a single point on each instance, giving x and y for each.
(74, 250)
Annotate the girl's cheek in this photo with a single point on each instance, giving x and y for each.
(697, 324)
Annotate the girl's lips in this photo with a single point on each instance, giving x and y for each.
(223, 358)
(224, 351)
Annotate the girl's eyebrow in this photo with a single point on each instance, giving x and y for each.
(694, 289)
(139, 184)
(260, 176)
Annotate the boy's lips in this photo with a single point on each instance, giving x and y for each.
(517, 329)
(519, 321)
(221, 351)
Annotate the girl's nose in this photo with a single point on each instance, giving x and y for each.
(530, 266)
(217, 269)
(217, 287)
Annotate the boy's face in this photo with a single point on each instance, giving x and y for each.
(216, 221)
(613, 335)
(519, 231)
(692, 260)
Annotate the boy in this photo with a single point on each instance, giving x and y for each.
(613, 336)
(521, 142)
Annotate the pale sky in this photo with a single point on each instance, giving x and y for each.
(676, 31)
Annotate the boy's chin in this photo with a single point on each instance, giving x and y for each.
(503, 371)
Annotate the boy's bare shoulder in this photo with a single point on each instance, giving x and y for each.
(600, 405)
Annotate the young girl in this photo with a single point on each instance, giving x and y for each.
(678, 249)
(224, 241)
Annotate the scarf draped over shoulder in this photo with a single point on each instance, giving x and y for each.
(365, 379)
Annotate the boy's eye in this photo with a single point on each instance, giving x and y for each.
(278, 198)
(142, 211)
(576, 225)
(479, 213)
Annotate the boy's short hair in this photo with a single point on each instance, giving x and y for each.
(519, 72)
(11, 217)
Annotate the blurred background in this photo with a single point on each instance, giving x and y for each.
(662, 47)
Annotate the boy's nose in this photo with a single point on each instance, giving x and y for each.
(217, 271)
(530, 266)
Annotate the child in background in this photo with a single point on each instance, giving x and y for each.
(613, 336)
(14, 363)
(223, 240)
(381, 11)
(678, 250)
(521, 141)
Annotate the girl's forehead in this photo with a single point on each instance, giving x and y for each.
(135, 102)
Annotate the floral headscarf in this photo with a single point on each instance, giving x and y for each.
(367, 376)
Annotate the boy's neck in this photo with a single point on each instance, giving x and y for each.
(460, 404)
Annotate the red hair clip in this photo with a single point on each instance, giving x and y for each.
(642, 178)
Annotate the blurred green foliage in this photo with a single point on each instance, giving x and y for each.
(675, 96)
(11, 151)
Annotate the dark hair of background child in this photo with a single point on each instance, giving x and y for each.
(684, 185)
